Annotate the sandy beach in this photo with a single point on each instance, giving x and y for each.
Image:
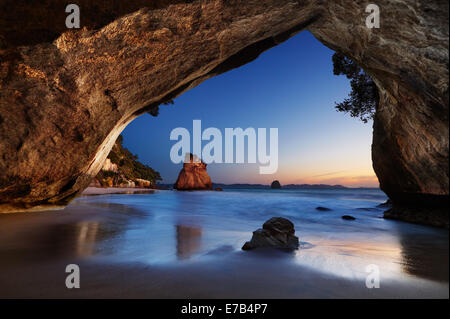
(188, 245)
(223, 274)
(91, 191)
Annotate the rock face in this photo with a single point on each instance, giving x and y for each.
(193, 176)
(65, 95)
(277, 232)
(110, 166)
(142, 183)
(275, 184)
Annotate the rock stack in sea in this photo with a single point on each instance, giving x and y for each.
(193, 176)
(275, 185)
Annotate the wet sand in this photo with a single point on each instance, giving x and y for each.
(226, 275)
(91, 191)
(126, 251)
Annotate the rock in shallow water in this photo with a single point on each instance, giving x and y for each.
(193, 176)
(275, 185)
(277, 232)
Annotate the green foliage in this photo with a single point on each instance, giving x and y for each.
(102, 176)
(155, 111)
(106, 174)
(146, 172)
(128, 165)
(363, 99)
(114, 157)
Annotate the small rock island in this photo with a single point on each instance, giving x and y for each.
(275, 185)
(193, 176)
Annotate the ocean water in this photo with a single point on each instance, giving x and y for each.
(170, 225)
(194, 230)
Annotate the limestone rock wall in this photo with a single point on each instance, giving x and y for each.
(408, 59)
(110, 166)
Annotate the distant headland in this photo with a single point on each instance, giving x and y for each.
(268, 186)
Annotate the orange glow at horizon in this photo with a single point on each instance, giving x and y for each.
(351, 181)
(347, 173)
(364, 177)
(354, 178)
(345, 180)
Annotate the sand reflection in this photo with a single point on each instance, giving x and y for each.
(74, 239)
(188, 240)
(425, 256)
(86, 239)
(349, 259)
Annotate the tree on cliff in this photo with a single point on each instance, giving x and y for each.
(155, 111)
(128, 165)
(363, 99)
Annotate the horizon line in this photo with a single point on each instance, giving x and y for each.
(268, 185)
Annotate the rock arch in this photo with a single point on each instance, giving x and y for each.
(66, 95)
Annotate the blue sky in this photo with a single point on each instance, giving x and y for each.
(290, 87)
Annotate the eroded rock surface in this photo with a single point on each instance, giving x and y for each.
(65, 95)
(277, 232)
(193, 176)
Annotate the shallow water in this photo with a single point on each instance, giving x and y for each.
(201, 233)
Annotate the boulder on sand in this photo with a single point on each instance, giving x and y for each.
(193, 176)
(277, 232)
